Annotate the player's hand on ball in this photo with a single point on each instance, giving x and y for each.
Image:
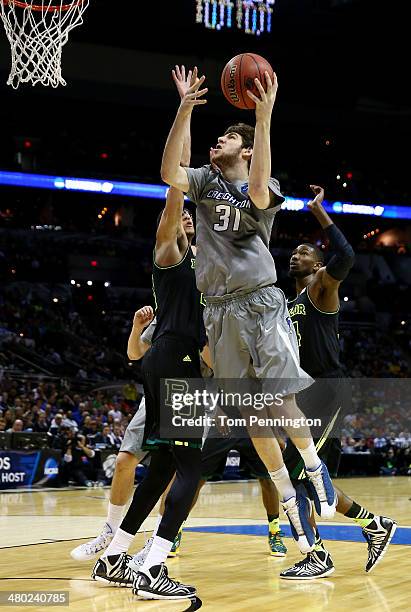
(315, 205)
(143, 316)
(265, 103)
(182, 80)
(192, 97)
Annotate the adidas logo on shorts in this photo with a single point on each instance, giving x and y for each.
(187, 358)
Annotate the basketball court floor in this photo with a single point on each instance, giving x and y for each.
(224, 552)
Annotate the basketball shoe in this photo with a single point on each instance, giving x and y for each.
(324, 496)
(298, 510)
(155, 584)
(114, 570)
(378, 535)
(176, 544)
(91, 549)
(138, 559)
(276, 544)
(317, 564)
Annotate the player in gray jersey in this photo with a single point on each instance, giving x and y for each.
(248, 326)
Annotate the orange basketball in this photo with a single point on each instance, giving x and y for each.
(238, 76)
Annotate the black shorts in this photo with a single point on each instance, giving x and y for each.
(214, 455)
(328, 399)
(168, 357)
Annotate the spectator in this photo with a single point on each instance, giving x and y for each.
(93, 434)
(116, 436)
(17, 426)
(115, 413)
(68, 420)
(56, 423)
(103, 438)
(79, 464)
(389, 466)
(40, 423)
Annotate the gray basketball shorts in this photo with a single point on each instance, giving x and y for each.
(134, 435)
(252, 336)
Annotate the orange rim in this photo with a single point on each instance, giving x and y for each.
(39, 7)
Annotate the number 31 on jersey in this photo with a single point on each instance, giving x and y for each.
(225, 213)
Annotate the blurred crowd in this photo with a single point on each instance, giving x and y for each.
(77, 425)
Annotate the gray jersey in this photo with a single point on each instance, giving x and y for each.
(232, 234)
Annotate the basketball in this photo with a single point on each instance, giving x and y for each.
(238, 76)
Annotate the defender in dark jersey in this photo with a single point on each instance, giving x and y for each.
(314, 313)
(176, 344)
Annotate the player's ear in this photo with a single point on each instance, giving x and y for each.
(247, 153)
(318, 265)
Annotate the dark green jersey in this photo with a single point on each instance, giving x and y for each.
(317, 335)
(179, 309)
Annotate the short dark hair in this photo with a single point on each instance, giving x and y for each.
(160, 214)
(245, 131)
(318, 252)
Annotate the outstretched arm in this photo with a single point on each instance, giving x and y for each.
(260, 169)
(170, 228)
(324, 288)
(136, 347)
(171, 170)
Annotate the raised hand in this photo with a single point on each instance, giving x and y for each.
(182, 80)
(264, 105)
(143, 316)
(315, 205)
(192, 96)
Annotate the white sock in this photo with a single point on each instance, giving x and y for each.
(159, 519)
(158, 553)
(114, 516)
(281, 479)
(310, 457)
(119, 544)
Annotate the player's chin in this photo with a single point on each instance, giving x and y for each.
(295, 273)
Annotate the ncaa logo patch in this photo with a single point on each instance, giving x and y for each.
(244, 188)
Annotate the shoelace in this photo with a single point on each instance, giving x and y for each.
(99, 543)
(294, 517)
(276, 536)
(310, 563)
(374, 541)
(123, 572)
(317, 481)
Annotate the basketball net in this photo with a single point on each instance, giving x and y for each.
(37, 31)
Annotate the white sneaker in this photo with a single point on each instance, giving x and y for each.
(138, 559)
(91, 549)
(298, 512)
(324, 495)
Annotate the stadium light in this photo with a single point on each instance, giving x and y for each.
(159, 192)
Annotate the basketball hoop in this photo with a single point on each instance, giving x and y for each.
(37, 31)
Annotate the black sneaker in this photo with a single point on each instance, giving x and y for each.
(317, 564)
(378, 535)
(155, 584)
(114, 570)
